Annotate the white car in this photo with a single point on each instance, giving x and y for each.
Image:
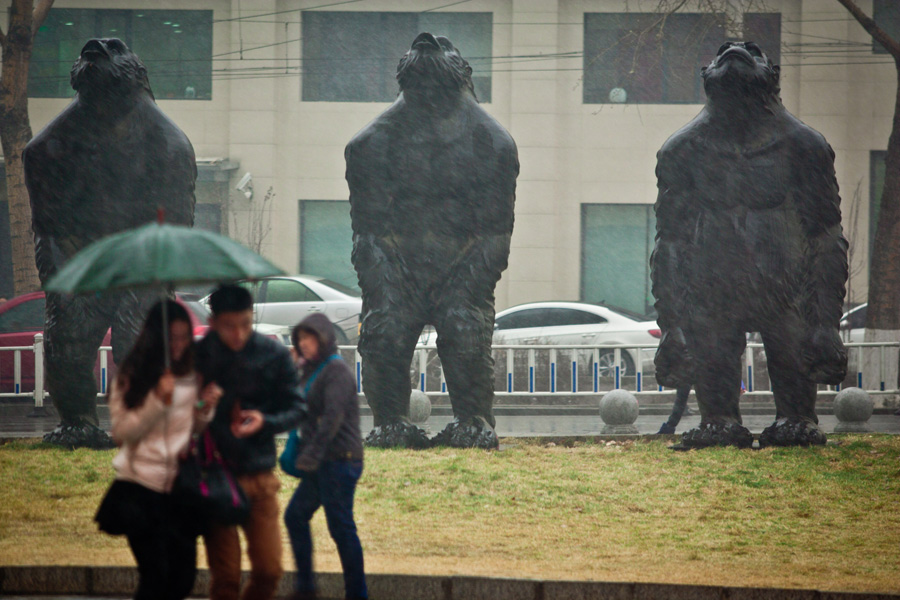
(575, 324)
(287, 300)
(853, 324)
(578, 323)
(201, 313)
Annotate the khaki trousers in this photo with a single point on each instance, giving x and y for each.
(263, 533)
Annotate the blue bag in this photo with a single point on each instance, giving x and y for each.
(294, 445)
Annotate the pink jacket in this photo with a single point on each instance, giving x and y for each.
(154, 435)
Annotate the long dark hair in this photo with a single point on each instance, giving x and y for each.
(145, 364)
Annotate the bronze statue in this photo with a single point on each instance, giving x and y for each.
(432, 193)
(103, 165)
(748, 239)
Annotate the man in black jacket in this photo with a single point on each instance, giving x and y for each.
(261, 397)
(332, 458)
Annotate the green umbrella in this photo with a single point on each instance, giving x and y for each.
(161, 256)
(158, 255)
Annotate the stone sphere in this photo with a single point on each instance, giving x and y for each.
(419, 406)
(853, 405)
(619, 407)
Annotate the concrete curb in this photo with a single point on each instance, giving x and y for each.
(112, 581)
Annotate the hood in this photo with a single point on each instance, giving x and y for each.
(319, 324)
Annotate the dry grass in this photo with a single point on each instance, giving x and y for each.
(822, 518)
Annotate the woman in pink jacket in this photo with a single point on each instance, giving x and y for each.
(153, 413)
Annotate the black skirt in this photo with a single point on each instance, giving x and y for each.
(132, 509)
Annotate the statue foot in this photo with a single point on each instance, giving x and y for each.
(472, 433)
(398, 435)
(793, 431)
(717, 433)
(79, 436)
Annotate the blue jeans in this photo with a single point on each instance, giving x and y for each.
(332, 488)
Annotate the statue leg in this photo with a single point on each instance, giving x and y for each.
(465, 328)
(387, 342)
(717, 348)
(74, 329)
(796, 423)
(131, 309)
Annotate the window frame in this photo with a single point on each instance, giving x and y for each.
(892, 27)
(93, 18)
(649, 244)
(537, 310)
(312, 89)
(310, 296)
(670, 71)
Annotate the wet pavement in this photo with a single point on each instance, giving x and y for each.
(16, 422)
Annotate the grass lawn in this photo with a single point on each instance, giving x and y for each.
(820, 518)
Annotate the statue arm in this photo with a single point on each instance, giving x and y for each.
(674, 360)
(38, 172)
(180, 200)
(819, 205)
(370, 200)
(177, 179)
(672, 239)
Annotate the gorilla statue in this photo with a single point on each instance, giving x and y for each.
(432, 192)
(748, 239)
(105, 164)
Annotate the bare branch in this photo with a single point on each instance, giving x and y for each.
(40, 14)
(872, 28)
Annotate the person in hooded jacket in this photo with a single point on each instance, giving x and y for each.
(331, 458)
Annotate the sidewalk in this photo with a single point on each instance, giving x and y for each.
(68, 583)
(525, 421)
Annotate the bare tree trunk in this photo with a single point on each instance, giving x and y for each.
(884, 285)
(15, 132)
(883, 312)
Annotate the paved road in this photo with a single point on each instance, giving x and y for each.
(15, 422)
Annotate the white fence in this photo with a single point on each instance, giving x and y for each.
(529, 370)
(520, 370)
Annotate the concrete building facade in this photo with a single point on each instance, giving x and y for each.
(266, 102)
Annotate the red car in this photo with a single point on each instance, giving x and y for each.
(23, 316)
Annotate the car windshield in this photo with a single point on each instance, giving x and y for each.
(341, 288)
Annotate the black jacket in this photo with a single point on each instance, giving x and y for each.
(331, 431)
(262, 377)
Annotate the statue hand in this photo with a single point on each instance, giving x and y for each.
(824, 358)
(674, 362)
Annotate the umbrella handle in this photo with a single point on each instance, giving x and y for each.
(165, 325)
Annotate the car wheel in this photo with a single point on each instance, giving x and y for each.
(607, 360)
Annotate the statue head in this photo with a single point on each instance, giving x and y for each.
(107, 67)
(743, 69)
(433, 64)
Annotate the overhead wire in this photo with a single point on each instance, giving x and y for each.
(806, 51)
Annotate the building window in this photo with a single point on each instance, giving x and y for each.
(353, 56)
(877, 170)
(887, 14)
(616, 242)
(174, 45)
(208, 217)
(640, 59)
(326, 241)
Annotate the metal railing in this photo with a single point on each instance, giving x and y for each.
(528, 370)
(520, 370)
